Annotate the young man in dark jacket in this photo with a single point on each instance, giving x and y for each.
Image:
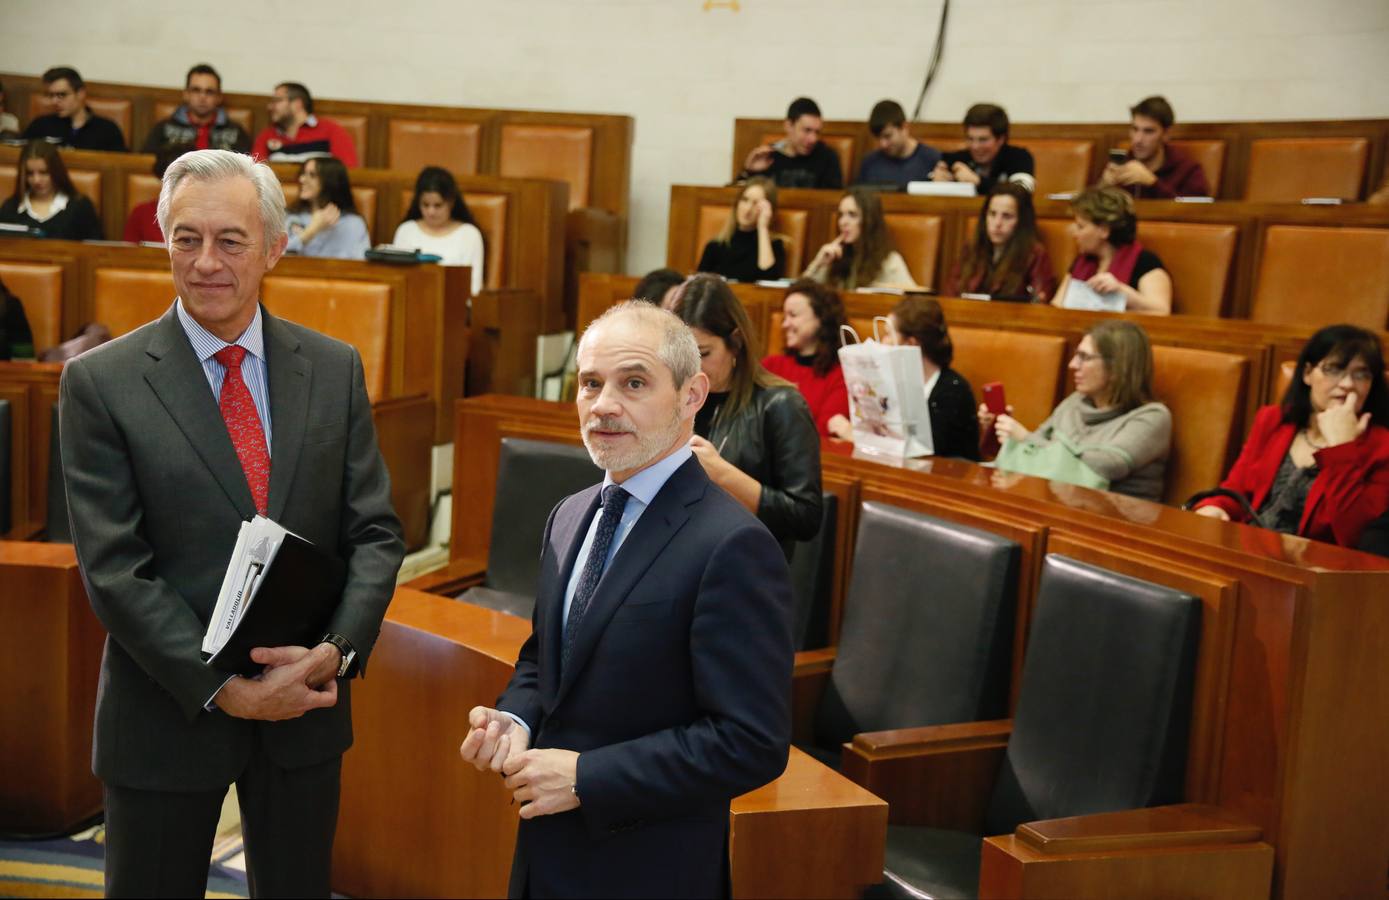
(200, 122)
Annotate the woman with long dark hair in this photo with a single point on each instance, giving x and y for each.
(440, 223)
(324, 222)
(1006, 259)
(1317, 464)
(754, 435)
(811, 315)
(45, 198)
(862, 255)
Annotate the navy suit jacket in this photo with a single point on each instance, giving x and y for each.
(677, 694)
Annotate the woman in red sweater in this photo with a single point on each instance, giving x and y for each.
(1318, 464)
(810, 318)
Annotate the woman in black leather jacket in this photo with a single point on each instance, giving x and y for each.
(754, 436)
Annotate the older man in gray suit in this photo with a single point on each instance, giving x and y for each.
(172, 436)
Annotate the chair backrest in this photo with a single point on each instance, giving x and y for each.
(1199, 258)
(789, 223)
(917, 237)
(5, 438)
(927, 632)
(1061, 164)
(1031, 367)
(559, 152)
(125, 299)
(241, 115)
(1104, 706)
(416, 143)
(1055, 235)
(1313, 276)
(58, 529)
(39, 286)
(140, 187)
(1210, 153)
(1285, 170)
(532, 477)
(812, 580)
(356, 127)
(1205, 392)
(356, 312)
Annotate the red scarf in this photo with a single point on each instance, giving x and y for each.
(1120, 266)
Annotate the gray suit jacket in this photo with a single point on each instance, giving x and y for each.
(156, 495)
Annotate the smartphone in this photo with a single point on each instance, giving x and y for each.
(1117, 156)
(993, 398)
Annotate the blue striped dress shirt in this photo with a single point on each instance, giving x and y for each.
(253, 370)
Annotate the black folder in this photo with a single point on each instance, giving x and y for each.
(292, 607)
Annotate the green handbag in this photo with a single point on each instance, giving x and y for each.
(1058, 460)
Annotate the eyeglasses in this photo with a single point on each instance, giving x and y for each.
(1336, 373)
(1086, 357)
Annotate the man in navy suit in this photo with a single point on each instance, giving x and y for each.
(656, 684)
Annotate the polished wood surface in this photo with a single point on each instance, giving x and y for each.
(417, 822)
(1240, 285)
(1292, 697)
(49, 668)
(32, 389)
(1225, 145)
(1183, 824)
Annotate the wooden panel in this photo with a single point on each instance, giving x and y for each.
(49, 669)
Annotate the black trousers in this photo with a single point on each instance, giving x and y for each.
(158, 843)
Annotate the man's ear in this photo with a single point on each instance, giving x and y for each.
(696, 392)
(276, 251)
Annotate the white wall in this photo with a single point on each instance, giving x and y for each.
(684, 73)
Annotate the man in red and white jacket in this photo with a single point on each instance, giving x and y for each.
(295, 132)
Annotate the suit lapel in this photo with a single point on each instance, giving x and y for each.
(291, 376)
(669, 510)
(569, 537)
(178, 380)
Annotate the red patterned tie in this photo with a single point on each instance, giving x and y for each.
(239, 412)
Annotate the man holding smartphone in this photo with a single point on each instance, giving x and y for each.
(1153, 169)
(801, 159)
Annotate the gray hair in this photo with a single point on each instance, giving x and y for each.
(216, 165)
(678, 348)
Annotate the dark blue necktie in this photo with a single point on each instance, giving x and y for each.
(614, 501)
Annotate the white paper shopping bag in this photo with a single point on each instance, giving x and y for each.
(887, 396)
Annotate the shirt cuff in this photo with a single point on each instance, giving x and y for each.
(211, 704)
(518, 720)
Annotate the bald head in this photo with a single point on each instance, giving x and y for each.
(674, 343)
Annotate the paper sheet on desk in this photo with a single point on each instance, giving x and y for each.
(1081, 296)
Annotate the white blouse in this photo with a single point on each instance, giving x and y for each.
(460, 247)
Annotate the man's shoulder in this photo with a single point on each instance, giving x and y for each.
(119, 356)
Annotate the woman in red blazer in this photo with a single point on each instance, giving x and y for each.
(1318, 463)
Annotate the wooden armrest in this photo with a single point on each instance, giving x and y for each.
(938, 775)
(809, 678)
(1179, 825)
(453, 579)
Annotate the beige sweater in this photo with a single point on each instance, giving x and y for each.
(894, 273)
(1129, 448)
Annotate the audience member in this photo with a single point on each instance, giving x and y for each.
(294, 131)
(9, 122)
(920, 322)
(811, 316)
(142, 225)
(1110, 259)
(200, 121)
(754, 435)
(1156, 169)
(900, 158)
(325, 221)
(988, 158)
(746, 249)
(659, 286)
(1006, 260)
(44, 197)
(16, 337)
(1317, 464)
(801, 159)
(1111, 422)
(72, 123)
(862, 256)
(439, 222)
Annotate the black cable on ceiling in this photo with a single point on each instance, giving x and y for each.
(936, 53)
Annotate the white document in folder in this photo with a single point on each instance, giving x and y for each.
(256, 545)
(1082, 296)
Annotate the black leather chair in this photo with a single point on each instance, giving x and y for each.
(59, 530)
(927, 632)
(812, 580)
(6, 435)
(1101, 722)
(532, 476)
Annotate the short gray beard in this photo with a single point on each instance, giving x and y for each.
(648, 447)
